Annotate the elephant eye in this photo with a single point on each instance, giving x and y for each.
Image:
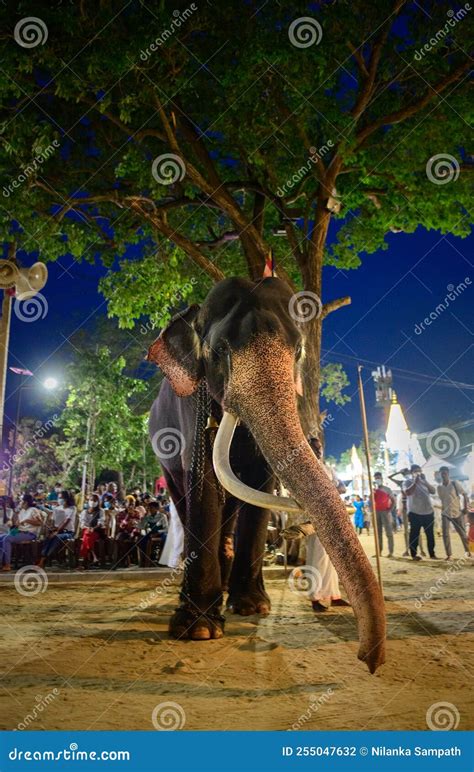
(221, 351)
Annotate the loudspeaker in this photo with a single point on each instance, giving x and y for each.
(30, 281)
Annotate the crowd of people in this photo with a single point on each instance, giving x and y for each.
(413, 505)
(108, 530)
(105, 529)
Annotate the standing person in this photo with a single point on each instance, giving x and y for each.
(28, 526)
(451, 493)
(174, 544)
(420, 510)
(359, 515)
(64, 526)
(384, 503)
(470, 533)
(328, 593)
(402, 509)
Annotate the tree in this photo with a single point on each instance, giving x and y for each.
(36, 458)
(105, 404)
(200, 136)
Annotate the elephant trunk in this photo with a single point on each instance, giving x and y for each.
(261, 393)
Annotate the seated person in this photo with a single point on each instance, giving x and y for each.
(40, 494)
(63, 526)
(53, 495)
(92, 525)
(127, 520)
(153, 523)
(26, 527)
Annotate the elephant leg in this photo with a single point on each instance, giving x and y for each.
(227, 539)
(246, 589)
(199, 614)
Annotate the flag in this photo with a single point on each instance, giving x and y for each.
(269, 269)
(19, 371)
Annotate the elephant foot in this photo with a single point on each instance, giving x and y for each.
(248, 603)
(188, 623)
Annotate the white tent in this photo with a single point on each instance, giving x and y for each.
(432, 465)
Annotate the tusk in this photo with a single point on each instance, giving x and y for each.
(227, 478)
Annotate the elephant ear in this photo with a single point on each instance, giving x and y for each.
(177, 353)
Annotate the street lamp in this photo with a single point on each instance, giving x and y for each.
(50, 384)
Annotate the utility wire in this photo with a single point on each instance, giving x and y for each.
(420, 377)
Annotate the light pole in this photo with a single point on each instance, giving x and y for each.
(49, 384)
(23, 283)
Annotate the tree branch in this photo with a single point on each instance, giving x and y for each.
(409, 110)
(186, 245)
(366, 92)
(333, 305)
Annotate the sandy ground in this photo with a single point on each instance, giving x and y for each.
(84, 656)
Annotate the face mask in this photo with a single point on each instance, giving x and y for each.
(107, 505)
(61, 501)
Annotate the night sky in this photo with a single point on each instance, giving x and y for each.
(391, 292)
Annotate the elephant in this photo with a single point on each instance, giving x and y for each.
(237, 358)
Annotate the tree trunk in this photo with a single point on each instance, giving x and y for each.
(312, 274)
(121, 485)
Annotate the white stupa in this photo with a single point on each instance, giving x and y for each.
(400, 441)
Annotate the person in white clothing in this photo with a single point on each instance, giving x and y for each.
(29, 523)
(326, 592)
(420, 510)
(451, 494)
(64, 526)
(174, 544)
(319, 569)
